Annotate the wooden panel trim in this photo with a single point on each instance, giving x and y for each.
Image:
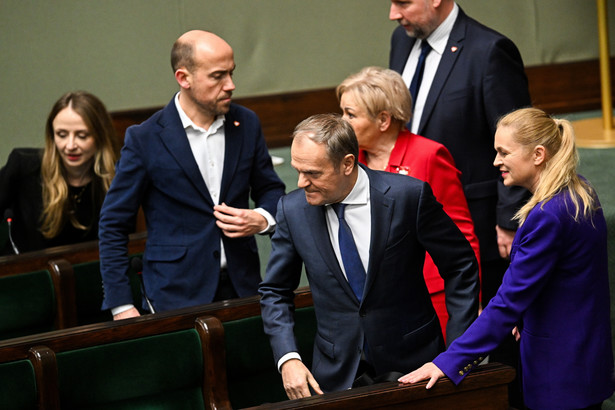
(556, 88)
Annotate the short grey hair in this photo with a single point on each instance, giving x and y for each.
(333, 131)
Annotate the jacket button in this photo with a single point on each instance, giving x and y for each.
(461, 372)
(362, 313)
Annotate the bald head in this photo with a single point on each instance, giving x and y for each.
(191, 43)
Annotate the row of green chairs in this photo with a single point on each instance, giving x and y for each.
(212, 356)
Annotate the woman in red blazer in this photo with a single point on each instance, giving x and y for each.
(377, 104)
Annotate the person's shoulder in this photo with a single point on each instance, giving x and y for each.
(425, 143)
(26, 156)
(480, 34)
(156, 120)
(32, 153)
(295, 197)
(240, 113)
(385, 181)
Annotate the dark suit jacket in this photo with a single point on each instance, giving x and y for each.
(480, 78)
(557, 291)
(396, 317)
(157, 170)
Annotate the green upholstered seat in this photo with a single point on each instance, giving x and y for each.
(156, 372)
(89, 292)
(17, 386)
(27, 304)
(252, 375)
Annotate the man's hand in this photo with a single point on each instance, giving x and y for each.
(296, 378)
(236, 223)
(132, 312)
(427, 371)
(505, 239)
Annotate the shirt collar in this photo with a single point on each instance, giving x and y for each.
(359, 195)
(188, 123)
(438, 39)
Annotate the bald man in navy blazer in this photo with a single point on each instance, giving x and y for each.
(192, 167)
(394, 219)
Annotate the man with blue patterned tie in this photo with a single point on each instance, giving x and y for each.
(362, 236)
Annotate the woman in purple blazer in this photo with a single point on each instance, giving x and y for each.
(555, 294)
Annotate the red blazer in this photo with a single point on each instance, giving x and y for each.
(431, 162)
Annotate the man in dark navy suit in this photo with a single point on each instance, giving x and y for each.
(472, 76)
(192, 166)
(373, 310)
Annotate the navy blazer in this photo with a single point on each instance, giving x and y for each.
(556, 291)
(480, 78)
(157, 170)
(396, 317)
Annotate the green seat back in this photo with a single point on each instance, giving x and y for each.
(27, 304)
(17, 385)
(156, 372)
(89, 292)
(252, 375)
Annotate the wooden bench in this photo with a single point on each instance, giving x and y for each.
(87, 366)
(484, 388)
(74, 254)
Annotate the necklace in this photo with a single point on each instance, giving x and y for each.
(79, 195)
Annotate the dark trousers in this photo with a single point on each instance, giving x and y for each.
(225, 288)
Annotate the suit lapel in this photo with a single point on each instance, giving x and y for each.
(233, 144)
(382, 213)
(453, 50)
(174, 138)
(320, 234)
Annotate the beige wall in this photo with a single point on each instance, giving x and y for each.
(119, 49)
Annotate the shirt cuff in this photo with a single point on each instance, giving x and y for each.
(119, 309)
(270, 221)
(287, 357)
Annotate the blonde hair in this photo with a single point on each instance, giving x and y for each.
(56, 206)
(532, 127)
(379, 89)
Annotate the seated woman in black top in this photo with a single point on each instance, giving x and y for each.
(55, 194)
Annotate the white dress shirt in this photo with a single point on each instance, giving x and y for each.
(358, 216)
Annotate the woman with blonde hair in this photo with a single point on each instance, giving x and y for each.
(555, 294)
(55, 194)
(377, 104)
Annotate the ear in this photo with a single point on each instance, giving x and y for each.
(384, 121)
(348, 164)
(182, 75)
(539, 155)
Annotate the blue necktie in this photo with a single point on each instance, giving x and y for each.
(355, 272)
(418, 73)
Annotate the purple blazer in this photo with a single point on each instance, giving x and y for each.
(556, 291)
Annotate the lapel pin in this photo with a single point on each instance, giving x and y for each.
(236, 123)
(454, 49)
